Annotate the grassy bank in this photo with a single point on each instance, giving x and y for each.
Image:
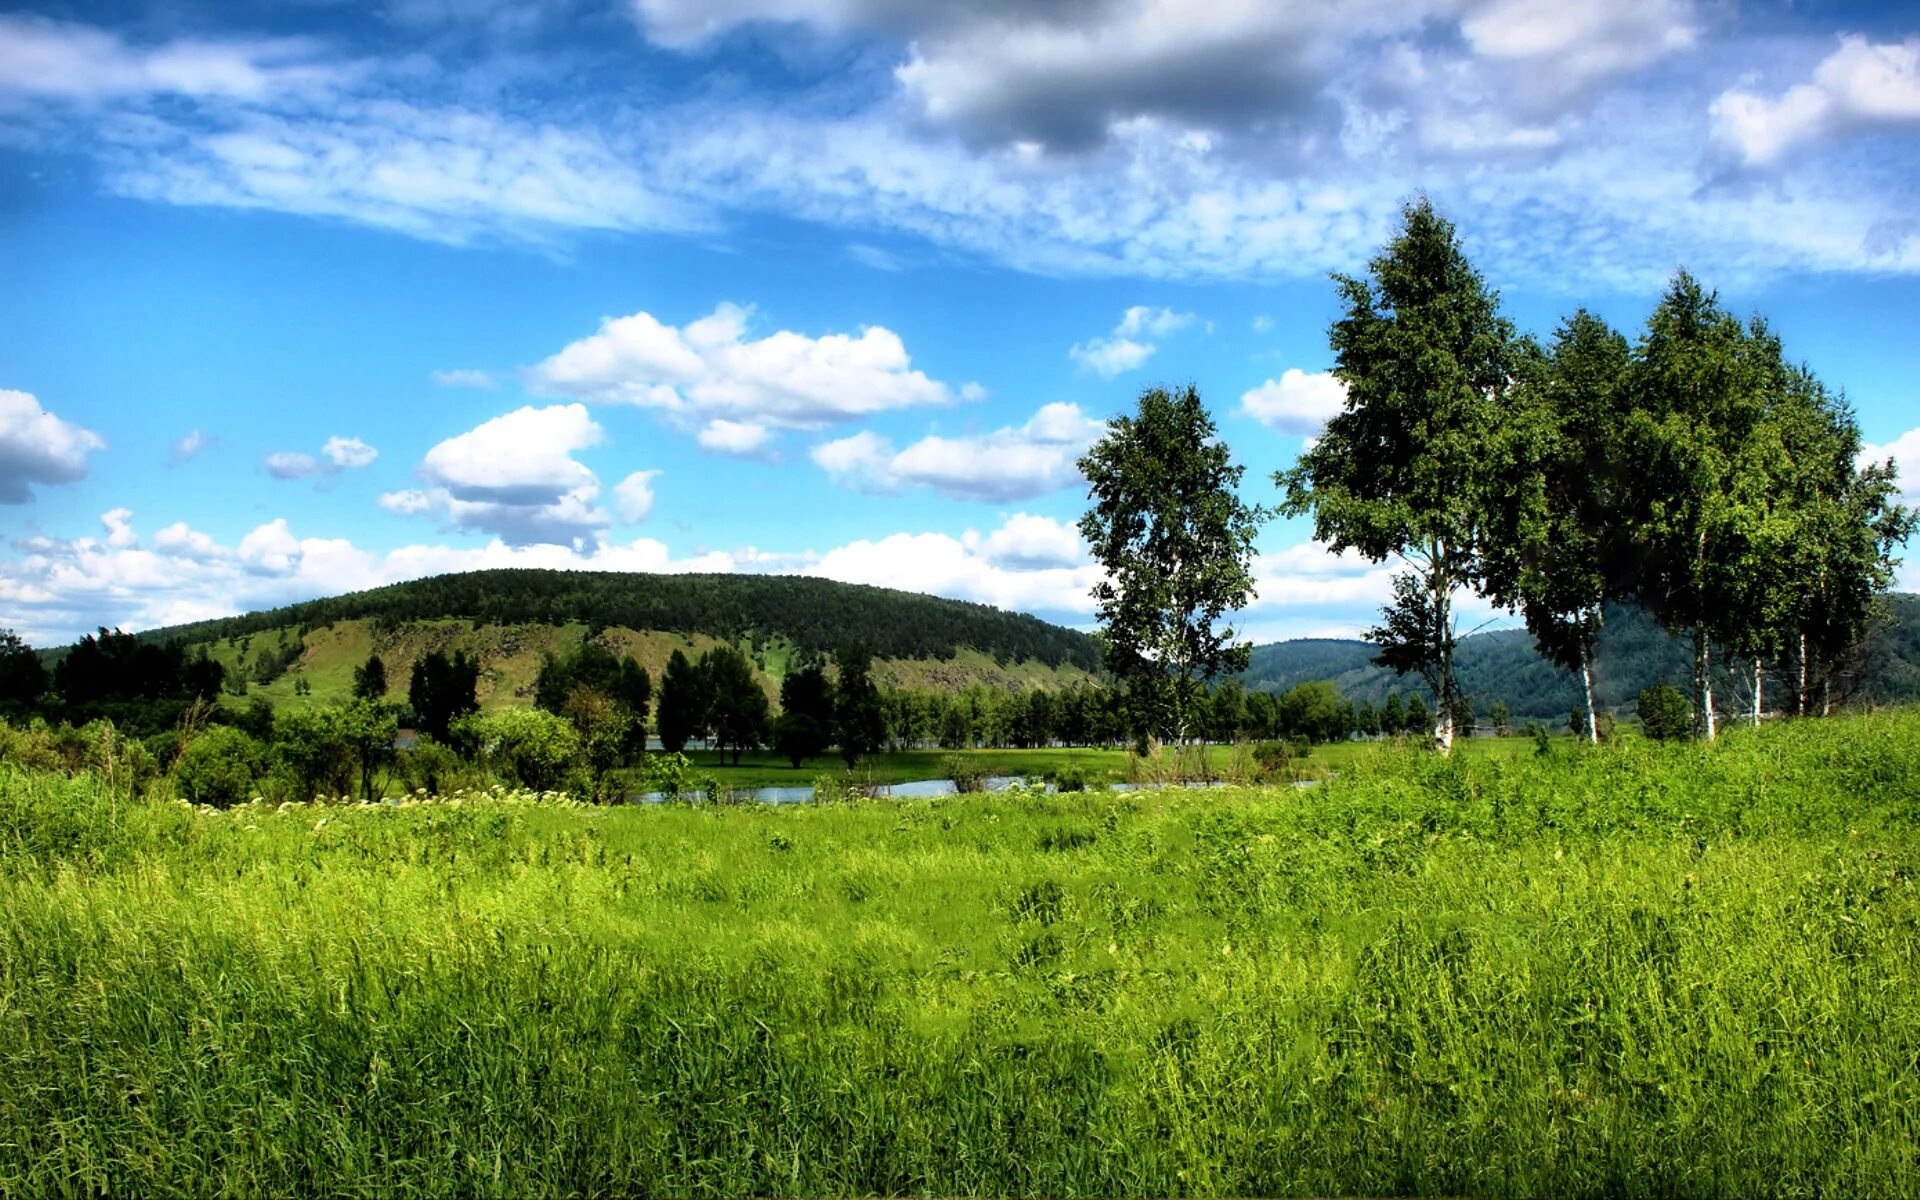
(1652, 970)
(764, 768)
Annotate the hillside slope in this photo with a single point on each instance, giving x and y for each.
(813, 614)
(1633, 653)
(318, 665)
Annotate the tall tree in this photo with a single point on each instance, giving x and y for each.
(22, 678)
(859, 722)
(1177, 543)
(805, 727)
(1555, 552)
(370, 679)
(1699, 394)
(441, 691)
(1404, 468)
(736, 707)
(683, 703)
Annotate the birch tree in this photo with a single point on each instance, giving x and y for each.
(1405, 468)
(1177, 544)
(1698, 391)
(1556, 555)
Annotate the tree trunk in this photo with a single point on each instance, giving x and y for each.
(1442, 626)
(1586, 689)
(1801, 700)
(1758, 683)
(1703, 683)
(1826, 696)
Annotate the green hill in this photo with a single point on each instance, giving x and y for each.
(509, 620)
(1633, 653)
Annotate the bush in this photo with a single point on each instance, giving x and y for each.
(530, 746)
(966, 774)
(1070, 778)
(218, 767)
(1273, 757)
(1665, 713)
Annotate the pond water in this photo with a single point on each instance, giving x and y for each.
(918, 789)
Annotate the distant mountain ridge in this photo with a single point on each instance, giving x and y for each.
(812, 614)
(1633, 653)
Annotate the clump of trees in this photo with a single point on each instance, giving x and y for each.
(1694, 471)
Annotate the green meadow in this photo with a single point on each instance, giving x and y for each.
(1670, 970)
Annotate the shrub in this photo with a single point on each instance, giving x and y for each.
(1273, 757)
(530, 746)
(218, 767)
(1665, 713)
(967, 775)
(1070, 778)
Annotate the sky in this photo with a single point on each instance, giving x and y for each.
(303, 297)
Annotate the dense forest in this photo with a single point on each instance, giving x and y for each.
(1632, 653)
(818, 615)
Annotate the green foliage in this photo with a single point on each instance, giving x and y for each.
(1408, 468)
(859, 717)
(1314, 712)
(370, 679)
(966, 774)
(737, 715)
(441, 690)
(218, 767)
(684, 700)
(528, 746)
(22, 677)
(1665, 713)
(1177, 543)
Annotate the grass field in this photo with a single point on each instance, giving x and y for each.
(1653, 970)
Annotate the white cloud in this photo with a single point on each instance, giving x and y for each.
(190, 446)
(1297, 403)
(1005, 465)
(947, 566)
(710, 372)
(634, 496)
(182, 541)
(515, 477)
(1860, 86)
(339, 454)
(734, 437)
(465, 377)
(37, 447)
(1126, 348)
(119, 526)
(1905, 453)
(1027, 542)
(59, 60)
(348, 453)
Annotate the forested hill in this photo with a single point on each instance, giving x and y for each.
(1633, 653)
(814, 614)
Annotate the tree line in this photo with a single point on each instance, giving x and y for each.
(1693, 470)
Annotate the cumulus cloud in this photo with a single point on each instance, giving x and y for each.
(54, 590)
(1905, 453)
(734, 437)
(1861, 86)
(634, 496)
(515, 477)
(710, 374)
(948, 566)
(1126, 347)
(1015, 463)
(37, 447)
(337, 455)
(1297, 403)
(1027, 542)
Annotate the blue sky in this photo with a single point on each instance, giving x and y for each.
(304, 297)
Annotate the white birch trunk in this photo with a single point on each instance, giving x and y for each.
(1586, 690)
(1758, 683)
(1443, 626)
(1801, 700)
(1703, 683)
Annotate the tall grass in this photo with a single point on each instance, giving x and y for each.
(1649, 970)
